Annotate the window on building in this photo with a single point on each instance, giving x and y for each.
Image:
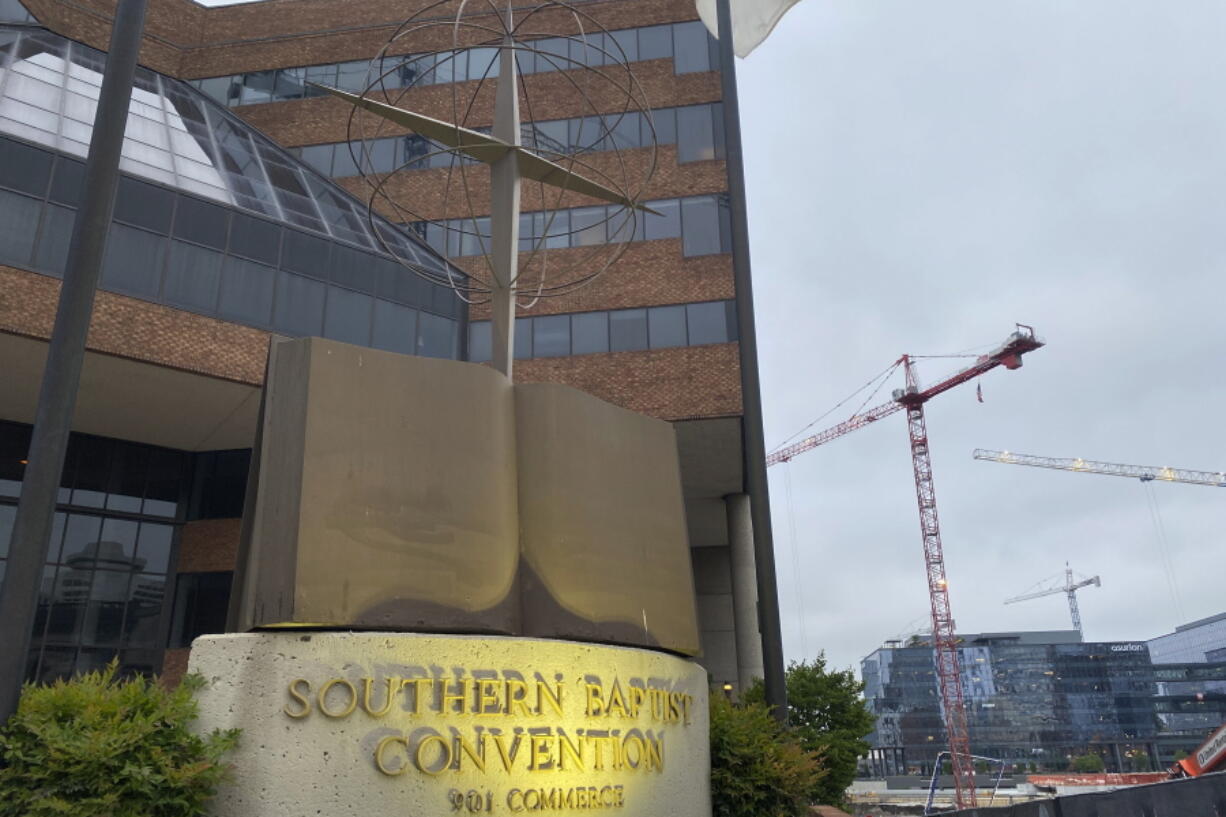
(437, 336)
(201, 222)
(692, 51)
(201, 602)
(219, 484)
(299, 306)
(246, 291)
(348, 316)
(666, 326)
(102, 588)
(18, 226)
(590, 333)
(551, 336)
(523, 338)
(700, 226)
(133, 261)
(395, 328)
(707, 323)
(665, 225)
(480, 342)
(193, 277)
(628, 330)
(24, 168)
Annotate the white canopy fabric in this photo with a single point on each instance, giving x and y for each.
(752, 21)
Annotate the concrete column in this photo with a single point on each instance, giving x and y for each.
(744, 590)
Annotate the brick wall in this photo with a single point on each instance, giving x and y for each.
(135, 329)
(208, 545)
(671, 384)
(188, 40)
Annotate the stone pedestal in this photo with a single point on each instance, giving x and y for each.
(339, 724)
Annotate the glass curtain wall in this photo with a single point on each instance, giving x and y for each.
(113, 549)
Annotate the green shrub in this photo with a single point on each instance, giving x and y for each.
(1088, 763)
(98, 745)
(758, 768)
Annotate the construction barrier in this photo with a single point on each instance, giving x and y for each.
(1193, 797)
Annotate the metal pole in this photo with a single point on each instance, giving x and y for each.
(62, 375)
(753, 446)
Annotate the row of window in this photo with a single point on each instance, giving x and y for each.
(703, 223)
(697, 130)
(12, 11)
(191, 254)
(111, 551)
(619, 330)
(688, 45)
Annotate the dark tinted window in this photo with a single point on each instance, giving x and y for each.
(201, 222)
(144, 205)
(348, 316)
(666, 326)
(480, 349)
(628, 330)
(201, 601)
(51, 255)
(246, 291)
(23, 167)
(193, 276)
(589, 333)
(255, 238)
(655, 42)
(437, 336)
(695, 133)
(299, 305)
(665, 225)
(220, 484)
(353, 269)
(395, 328)
(700, 226)
(523, 338)
(66, 184)
(691, 54)
(707, 323)
(134, 260)
(7, 514)
(665, 123)
(551, 336)
(153, 546)
(306, 254)
(18, 226)
(319, 157)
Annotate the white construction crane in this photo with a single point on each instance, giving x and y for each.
(1070, 588)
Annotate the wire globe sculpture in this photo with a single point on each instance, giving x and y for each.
(590, 69)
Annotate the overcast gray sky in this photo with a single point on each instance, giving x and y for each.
(923, 175)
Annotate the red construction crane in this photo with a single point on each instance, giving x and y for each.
(945, 648)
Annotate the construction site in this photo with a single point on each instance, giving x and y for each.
(994, 719)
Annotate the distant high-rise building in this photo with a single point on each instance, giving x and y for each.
(1032, 699)
(1192, 642)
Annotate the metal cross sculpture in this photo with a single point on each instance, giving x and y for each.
(510, 162)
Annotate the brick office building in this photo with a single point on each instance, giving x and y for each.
(230, 229)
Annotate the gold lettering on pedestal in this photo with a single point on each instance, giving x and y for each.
(621, 730)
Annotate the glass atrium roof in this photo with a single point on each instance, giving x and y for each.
(175, 135)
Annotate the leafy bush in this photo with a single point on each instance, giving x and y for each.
(828, 714)
(1088, 763)
(98, 745)
(758, 768)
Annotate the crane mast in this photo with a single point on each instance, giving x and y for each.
(945, 648)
